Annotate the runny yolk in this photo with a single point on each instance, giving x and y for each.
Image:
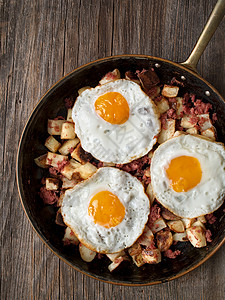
(184, 173)
(106, 209)
(112, 107)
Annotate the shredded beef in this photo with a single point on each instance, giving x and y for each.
(151, 246)
(148, 79)
(171, 254)
(174, 81)
(59, 118)
(155, 214)
(59, 220)
(48, 197)
(208, 235)
(210, 218)
(69, 102)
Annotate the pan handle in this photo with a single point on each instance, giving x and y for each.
(210, 27)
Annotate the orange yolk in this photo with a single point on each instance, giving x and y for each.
(112, 107)
(184, 173)
(106, 209)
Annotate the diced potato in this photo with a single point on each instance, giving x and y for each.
(115, 263)
(154, 92)
(54, 159)
(147, 237)
(110, 76)
(55, 127)
(138, 260)
(192, 130)
(69, 115)
(68, 170)
(180, 237)
(151, 256)
(207, 122)
(166, 134)
(75, 163)
(59, 202)
(76, 154)
(113, 256)
(86, 170)
(52, 184)
(86, 254)
(69, 237)
(210, 133)
(188, 222)
(41, 161)
(158, 225)
(149, 192)
(176, 226)
(66, 147)
(135, 249)
(170, 91)
(202, 219)
(131, 76)
(81, 90)
(105, 164)
(164, 240)
(168, 215)
(198, 223)
(178, 133)
(52, 144)
(67, 184)
(68, 131)
(150, 154)
(162, 105)
(179, 107)
(186, 122)
(196, 235)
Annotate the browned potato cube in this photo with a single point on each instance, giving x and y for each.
(113, 256)
(69, 115)
(176, 226)
(206, 122)
(188, 222)
(198, 223)
(186, 122)
(110, 76)
(162, 105)
(179, 107)
(68, 171)
(68, 146)
(81, 90)
(115, 263)
(79, 155)
(59, 202)
(54, 159)
(168, 215)
(41, 161)
(180, 237)
(55, 127)
(151, 256)
(52, 184)
(147, 237)
(158, 225)
(68, 131)
(135, 249)
(86, 254)
(192, 130)
(196, 236)
(164, 240)
(170, 91)
(202, 219)
(86, 170)
(138, 260)
(149, 192)
(52, 144)
(69, 237)
(209, 133)
(167, 133)
(67, 184)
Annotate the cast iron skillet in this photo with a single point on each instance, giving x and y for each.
(51, 104)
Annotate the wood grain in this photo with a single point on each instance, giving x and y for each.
(43, 40)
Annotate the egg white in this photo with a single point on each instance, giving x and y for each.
(206, 196)
(114, 143)
(131, 193)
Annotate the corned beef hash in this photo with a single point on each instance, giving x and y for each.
(134, 169)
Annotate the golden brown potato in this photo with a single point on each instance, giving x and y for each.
(164, 240)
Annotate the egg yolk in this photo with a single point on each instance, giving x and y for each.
(106, 209)
(184, 173)
(112, 107)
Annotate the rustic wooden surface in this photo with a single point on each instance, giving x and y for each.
(43, 40)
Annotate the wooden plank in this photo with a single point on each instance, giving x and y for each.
(45, 39)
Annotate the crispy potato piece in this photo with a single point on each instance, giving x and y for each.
(151, 256)
(69, 237)
(80, 155)
(86, 170)
(188, 222)
(106, 164)
(166, 134)
(75, 163)
(135, 249)
(196, 235)
(113, 256)
(202, 219)
(164, 240)
(52, 144)
(69, 115)
(138, 260)
(110, 76)
(149, 79)
(131, 76)
(198, 223)
(81, 90)
(192, 130)
(59, 202)
(147, 237)
(162, 105)
(180, 237)
(178, 133)
(70, 169)
(52, 184)
(66, 147)
(116, 263)
(207, 122)
(41, 161)
(170, 91)
(86, 254)
(186, 123)
(54, 159)
(168, 215)
(176, 226)
(158, 225)
(149, 192)
(55, 127)
(68, 131)
(68, 184)
(179, 107)
(210, 133)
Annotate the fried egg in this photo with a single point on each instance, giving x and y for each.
(108, 211)
(188, 175)
(116, 122)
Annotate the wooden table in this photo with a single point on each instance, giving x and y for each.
(42, 41)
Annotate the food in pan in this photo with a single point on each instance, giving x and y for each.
(116, 122)
(72, 170)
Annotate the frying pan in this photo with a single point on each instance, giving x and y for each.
(34, 134)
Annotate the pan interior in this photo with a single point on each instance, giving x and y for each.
(43, 217)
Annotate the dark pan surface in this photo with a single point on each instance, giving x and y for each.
(29, 175)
